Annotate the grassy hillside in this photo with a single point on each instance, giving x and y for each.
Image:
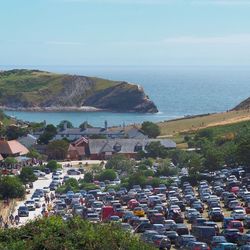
(34, 89)
(175, 127)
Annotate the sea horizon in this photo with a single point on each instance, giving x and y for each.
(177, 92)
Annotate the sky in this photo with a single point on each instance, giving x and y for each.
(125, 32)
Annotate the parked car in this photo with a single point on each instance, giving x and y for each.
(73, 172)
(225, 246)
(216, 240)
(23, 211)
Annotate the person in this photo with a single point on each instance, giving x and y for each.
(17, 219)
(6, 225)
(11, 219)
(1, 220)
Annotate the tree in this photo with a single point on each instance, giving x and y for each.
(55, 233)
(151, 129)
(48, 134)
(108, 174)
(120, 163)
(62, 124)
(155, 150)
(213, 159)
(11, 187)
(33, 153)
(165, 168)
(52, 165)
(243, 150)
(88, 177)
(57, 149)
(27, 175)
(229, 150)
(194, 163)
(13, 132)
(85, 125)
(10, 160)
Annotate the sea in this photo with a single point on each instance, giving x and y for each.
(177, 92)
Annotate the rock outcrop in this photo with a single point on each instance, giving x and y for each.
(36, 90)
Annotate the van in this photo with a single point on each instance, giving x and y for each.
(204, 233)
(106, 213)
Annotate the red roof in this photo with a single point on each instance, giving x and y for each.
(12, 147)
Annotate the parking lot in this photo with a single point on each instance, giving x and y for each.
(181, 216)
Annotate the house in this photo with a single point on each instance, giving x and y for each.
(12, 148)
(28, 141)
(135, 133)
(103, 149)
(77, 150)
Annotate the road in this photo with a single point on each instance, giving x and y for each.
(39, 184)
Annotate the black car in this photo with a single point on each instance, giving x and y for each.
(231, 235)
(23, 211)
(172, 235)
(246, 222)
(182, 240)
(161, 242)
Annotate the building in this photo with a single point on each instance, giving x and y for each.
(77, 150)
(103, 149)
(28, 140)
(12, 148)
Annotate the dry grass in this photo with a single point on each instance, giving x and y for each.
(6, 210)
(171, 128)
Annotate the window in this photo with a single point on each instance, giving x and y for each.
(117, 147)
(138, 147)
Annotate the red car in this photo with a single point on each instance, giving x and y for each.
(236, 224)
(132, 204)
(157, 218)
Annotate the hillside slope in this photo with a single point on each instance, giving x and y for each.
(244, 105)
(40, 90)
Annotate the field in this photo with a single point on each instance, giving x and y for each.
(191, 124)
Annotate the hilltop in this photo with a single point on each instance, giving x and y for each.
(244, 105)
(35, 90)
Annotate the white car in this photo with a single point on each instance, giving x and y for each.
(168, 224)
(30, 204)
(37, 202)
(46, 190)
(238, 214)
(39, 173)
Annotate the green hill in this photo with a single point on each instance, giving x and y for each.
(39, 90)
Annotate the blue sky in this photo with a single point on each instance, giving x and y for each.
(125, 32)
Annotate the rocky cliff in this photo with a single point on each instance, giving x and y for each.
(40, 90)
(243, 105)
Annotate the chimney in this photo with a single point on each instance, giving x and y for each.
(65, 126)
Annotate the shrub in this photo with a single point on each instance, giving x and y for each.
(108, 174)
(11, 187)
(53, 233)
(27, 175)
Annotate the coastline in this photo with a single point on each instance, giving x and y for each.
(53, 109)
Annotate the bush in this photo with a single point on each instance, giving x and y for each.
(52, 165)
(88, 177)
(108, 174)
(53, 233)
(151, 129)
(27, 175)
(11, 187)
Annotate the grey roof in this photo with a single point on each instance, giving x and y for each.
(135, 133)
(88, 131)
(97, 146)
(28, 140)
